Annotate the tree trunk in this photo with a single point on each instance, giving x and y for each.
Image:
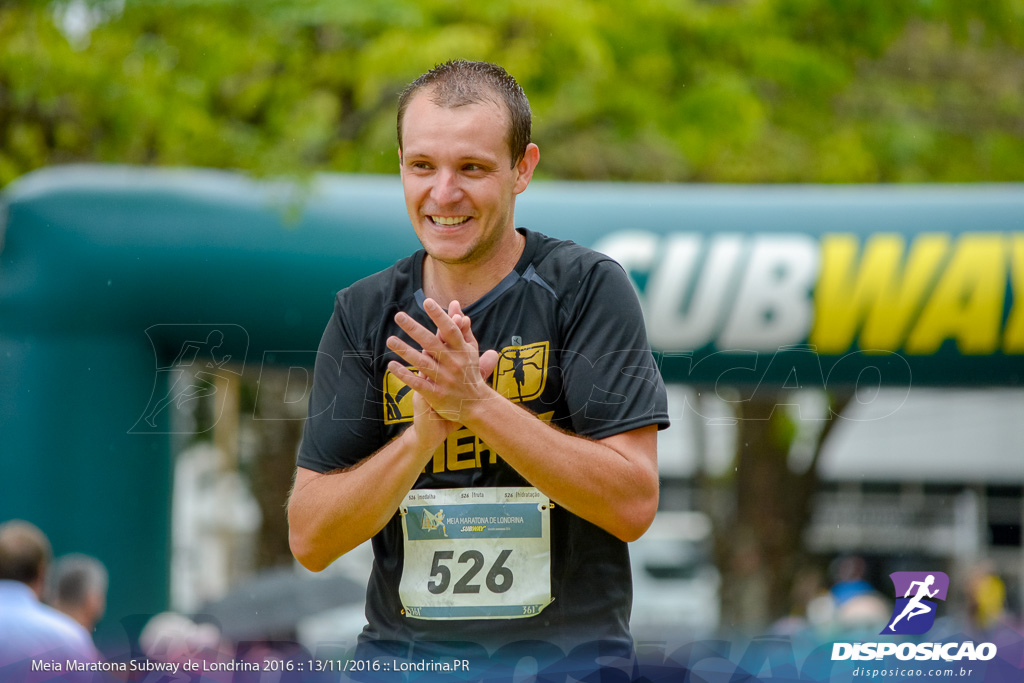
(763, 510)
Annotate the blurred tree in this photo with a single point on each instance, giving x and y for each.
(691, 90)
(276, 429)
(760, 508)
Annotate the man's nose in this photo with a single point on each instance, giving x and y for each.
(447, 189)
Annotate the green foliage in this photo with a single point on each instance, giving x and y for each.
(673, 90)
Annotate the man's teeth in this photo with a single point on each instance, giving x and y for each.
(449, 220)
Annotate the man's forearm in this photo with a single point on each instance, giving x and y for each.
(330, 514)
(611, 482)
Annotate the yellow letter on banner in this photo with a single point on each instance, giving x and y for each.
(967, 304)
(879, 293)
(1013, 340)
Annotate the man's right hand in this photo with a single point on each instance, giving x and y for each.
(429, 428)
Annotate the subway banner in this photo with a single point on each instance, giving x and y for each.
(815, 287)
(749, 308)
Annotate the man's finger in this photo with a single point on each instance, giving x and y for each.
(460, 321)
(467, 331)
(488, 361)
(424, 388)
(455, 313)
(427, 340)
(446, 327)
(426, 363)
(414, 380)
(459, 318)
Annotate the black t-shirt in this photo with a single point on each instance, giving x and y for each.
(573, 350)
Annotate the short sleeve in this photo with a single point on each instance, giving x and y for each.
(342, 427)
(611, 381)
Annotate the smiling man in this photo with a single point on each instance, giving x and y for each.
(488, 415)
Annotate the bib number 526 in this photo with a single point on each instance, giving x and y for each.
(497, 580)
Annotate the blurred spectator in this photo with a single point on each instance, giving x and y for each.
(807, 590)
(28, 628)
(859, 607)
(78, 588)
(174, 638)
(848, 576)
(852, 606)
(986, 598)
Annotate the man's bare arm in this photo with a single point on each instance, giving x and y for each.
(330, 514)
(611, 482)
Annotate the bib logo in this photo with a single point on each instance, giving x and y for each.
(435, 521)
(522, 371)
(914, 613)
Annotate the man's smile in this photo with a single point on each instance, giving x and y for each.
(448, 221)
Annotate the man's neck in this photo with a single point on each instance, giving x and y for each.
(79, 614)
(468, 282)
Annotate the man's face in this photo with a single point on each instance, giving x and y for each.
(458, 179)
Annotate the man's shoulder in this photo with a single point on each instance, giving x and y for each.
(384, 283)
(364, 301)
(567, 266)
(63, 624)
(559, 252)
(35, 625)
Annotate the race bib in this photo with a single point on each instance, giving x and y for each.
(476, 553)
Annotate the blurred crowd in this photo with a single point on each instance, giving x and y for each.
(844, 604)
(49, 610)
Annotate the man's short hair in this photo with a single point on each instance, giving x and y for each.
(74, 577)
(24, 551)
(458, 82)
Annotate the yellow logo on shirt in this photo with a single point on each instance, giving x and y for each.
(397, 399)
(522, 371)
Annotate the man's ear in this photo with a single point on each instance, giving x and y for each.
(526, 166)
(96, 605)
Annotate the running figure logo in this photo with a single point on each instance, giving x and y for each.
(201, 364)
(522, 370)
(431, 522)
(914, 613)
